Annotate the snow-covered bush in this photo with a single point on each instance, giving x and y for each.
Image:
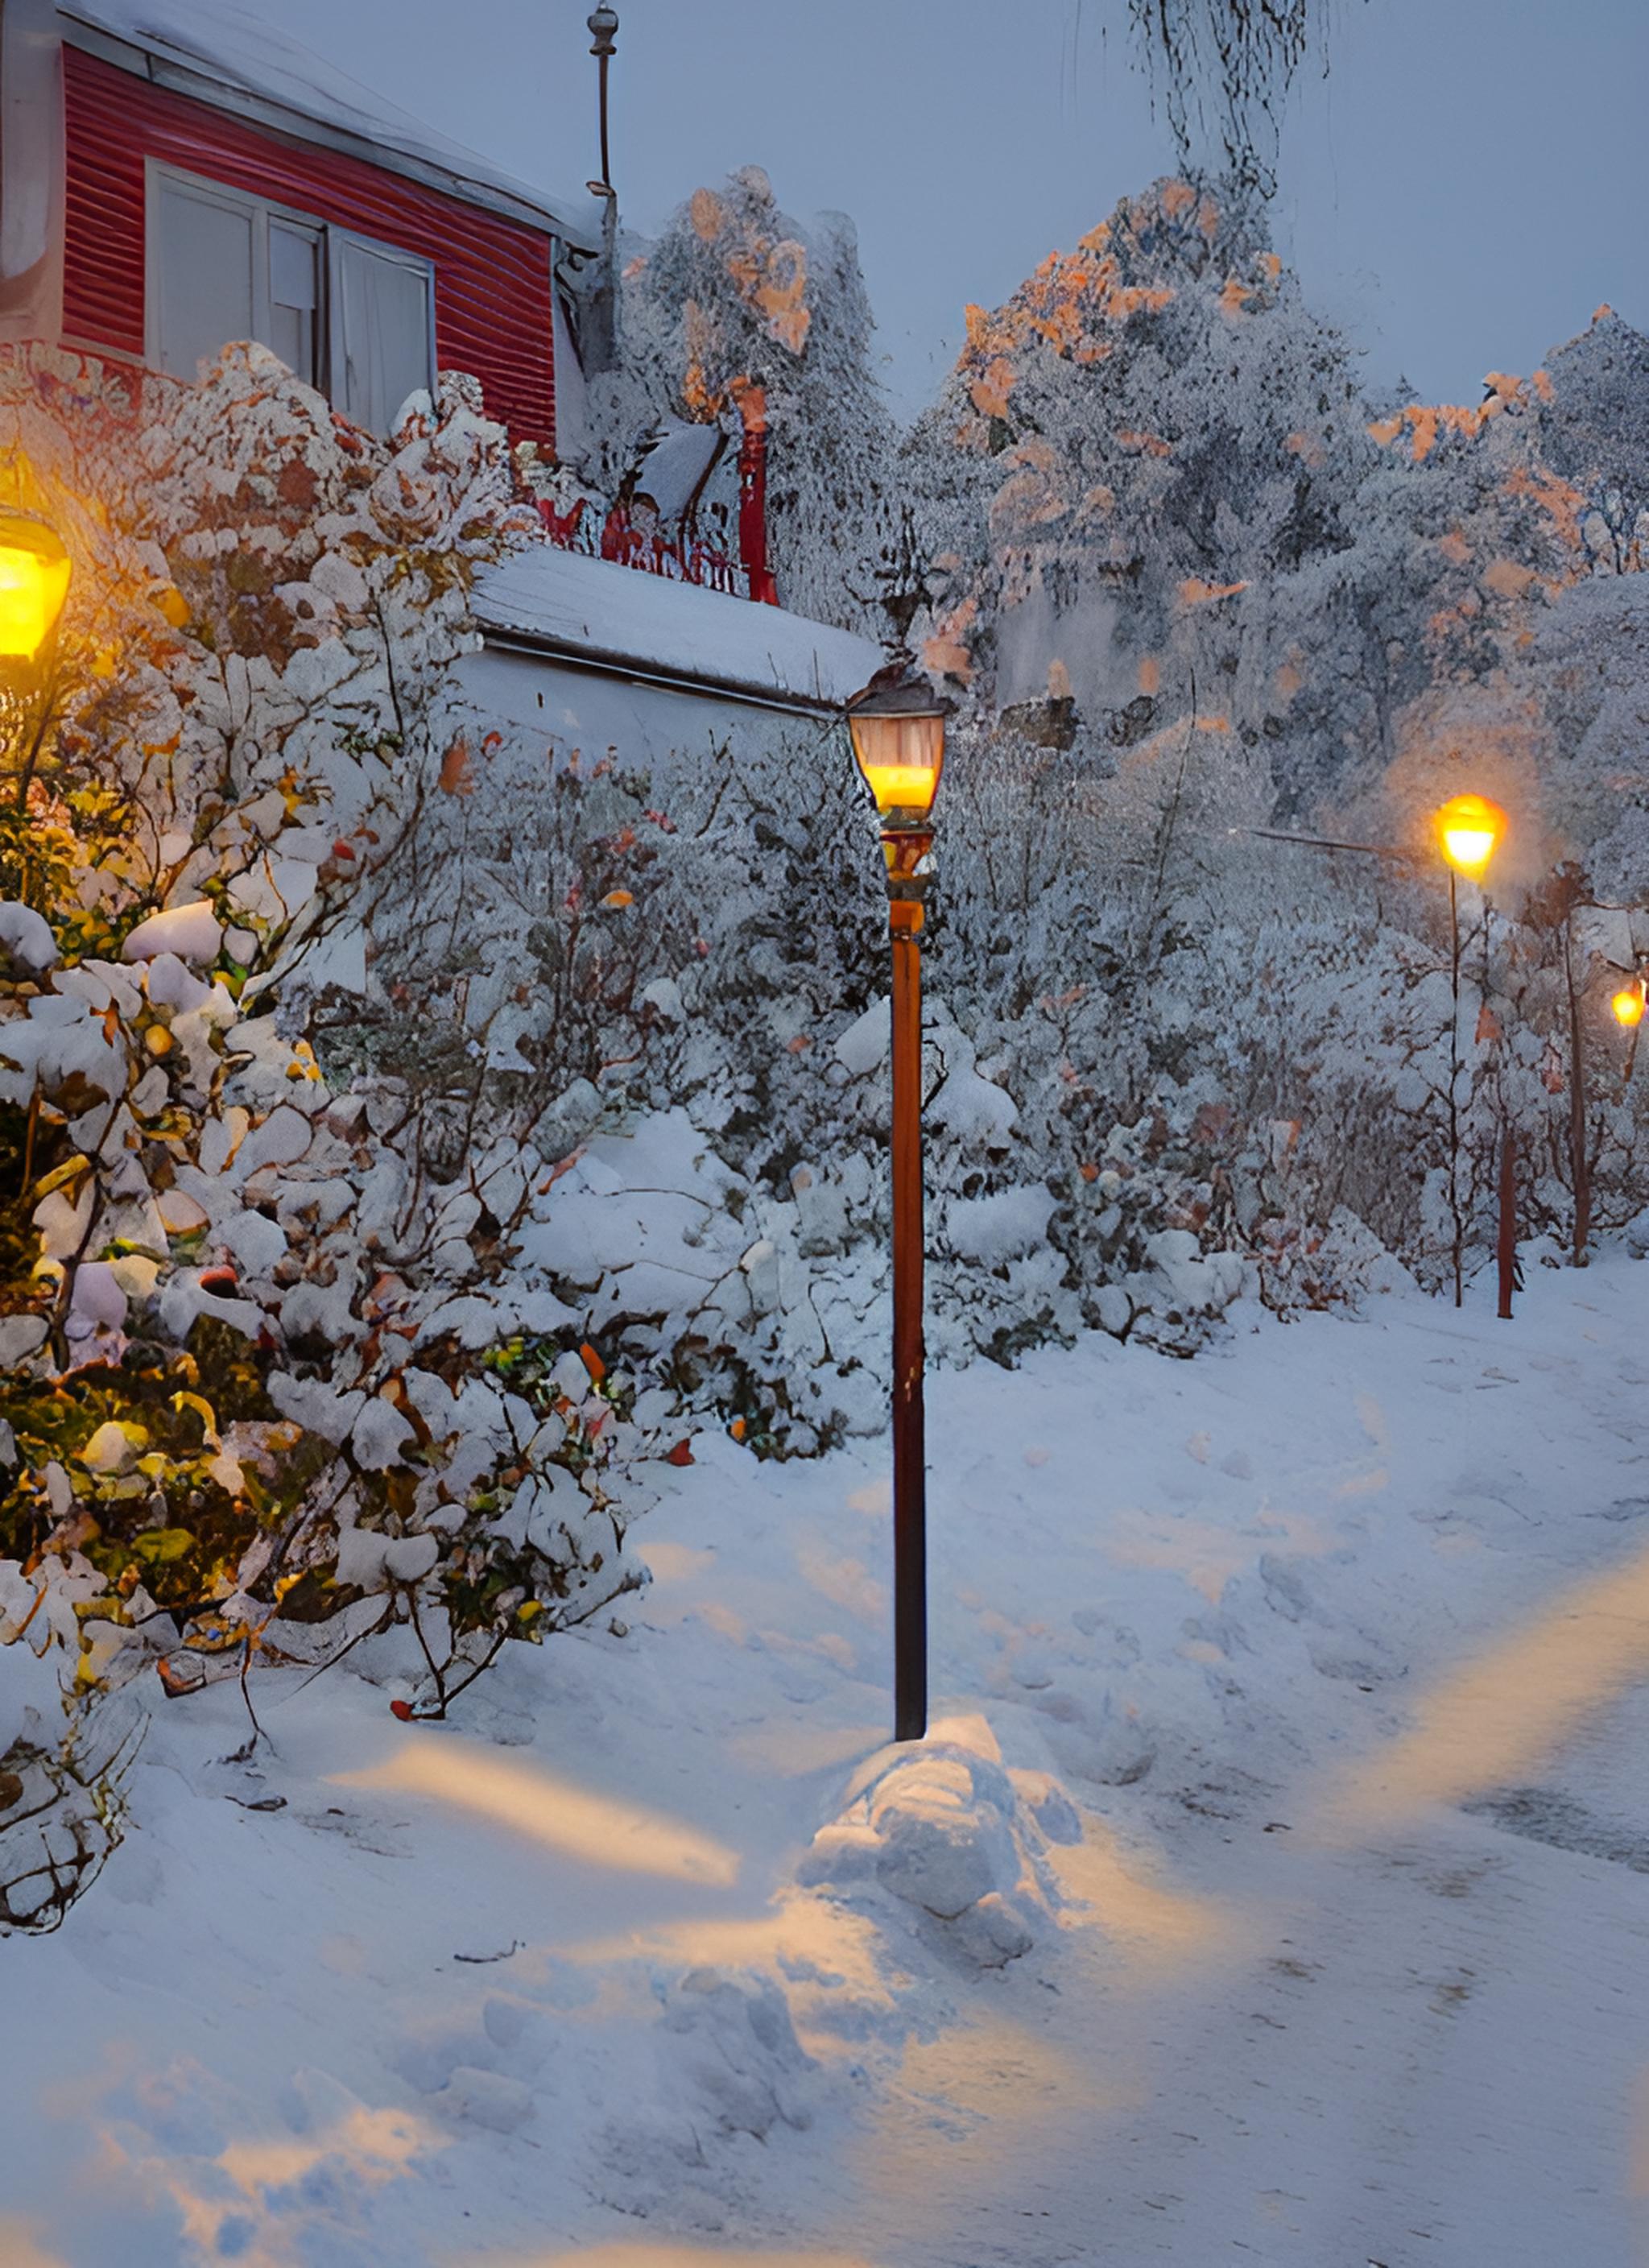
(264, 1384)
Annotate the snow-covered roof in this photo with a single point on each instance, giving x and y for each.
(594, 612)
(230, 57)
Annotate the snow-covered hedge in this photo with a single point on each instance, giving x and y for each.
(264, 1379)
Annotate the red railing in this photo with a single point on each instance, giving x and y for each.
(633, 535)
(639, 541)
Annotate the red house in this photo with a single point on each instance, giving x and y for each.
(174, 176)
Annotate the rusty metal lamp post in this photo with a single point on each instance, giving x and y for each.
(898, 728)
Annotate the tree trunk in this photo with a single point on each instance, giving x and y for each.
(1506, 1244)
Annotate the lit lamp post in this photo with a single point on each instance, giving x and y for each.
(898, 728)
(1627, 1006)
(33, 583)
(1468, 832)
(34, 569)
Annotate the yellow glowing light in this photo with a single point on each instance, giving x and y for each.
(1470, 827)
(1628, 1005)
(898, 730)
(33, 583)
(901, 758)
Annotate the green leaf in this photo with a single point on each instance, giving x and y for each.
(161, 1546)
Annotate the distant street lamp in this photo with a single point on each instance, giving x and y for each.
(1469, 828)
(898, 728)
(34, 569)
(1468, 832)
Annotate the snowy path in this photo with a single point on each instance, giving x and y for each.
(1280, 1622)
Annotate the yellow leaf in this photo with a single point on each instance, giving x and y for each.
(72, 1169)
(618, 898)
(203, 1410)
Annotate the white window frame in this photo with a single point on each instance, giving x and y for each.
(331, 243)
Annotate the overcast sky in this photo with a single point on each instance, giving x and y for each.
(1461, 189)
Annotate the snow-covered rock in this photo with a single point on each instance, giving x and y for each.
(26, 936)
(190, 933)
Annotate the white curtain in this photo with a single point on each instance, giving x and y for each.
(383, 312)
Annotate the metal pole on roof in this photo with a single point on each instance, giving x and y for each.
(603, 28)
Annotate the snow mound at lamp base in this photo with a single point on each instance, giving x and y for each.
(945, 1832)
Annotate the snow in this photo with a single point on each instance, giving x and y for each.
(26, 936)
(185, 933)
(578, 605)
(1000, 1227)
(1272, 1879)
(241, 53)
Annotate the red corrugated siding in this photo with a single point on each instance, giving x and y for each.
(492, 276)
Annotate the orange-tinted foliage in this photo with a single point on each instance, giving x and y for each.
(1195, 592)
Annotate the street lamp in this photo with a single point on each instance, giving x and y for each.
(34, 571)
(1628, 1004)
(898, 728)
(1468, 832)
(1469, 828)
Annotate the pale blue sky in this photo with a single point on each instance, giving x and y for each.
(1462, 190)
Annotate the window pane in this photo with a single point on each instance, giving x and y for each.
(294, 291)
(205, 278)
(384, 329)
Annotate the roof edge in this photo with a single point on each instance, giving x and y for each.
(199, 81)
(599, 661)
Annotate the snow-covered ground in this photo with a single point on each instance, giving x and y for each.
(1274, 1886)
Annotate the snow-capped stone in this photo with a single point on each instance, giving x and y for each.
(254, 1242)
(192, 933)
(379, 1434)
(663, 996)
(997, 1229)
(282, 1138)
(314, 1405)
(26, 936)
(170, 985)
(866, 1041)
(96, 1300)
(180, 1214)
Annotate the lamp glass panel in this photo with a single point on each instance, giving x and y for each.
(1469, 847)
(900, 757)
(1470, 827)
(33, 588)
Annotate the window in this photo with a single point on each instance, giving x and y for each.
(381, 329)
(348, 315)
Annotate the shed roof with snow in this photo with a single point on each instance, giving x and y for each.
(595, 615)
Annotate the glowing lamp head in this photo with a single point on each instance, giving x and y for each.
(1469, 828)
(33, 583)
(898, 728)
(1628, 1005)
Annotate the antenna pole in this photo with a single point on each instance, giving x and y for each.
(603, 28)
